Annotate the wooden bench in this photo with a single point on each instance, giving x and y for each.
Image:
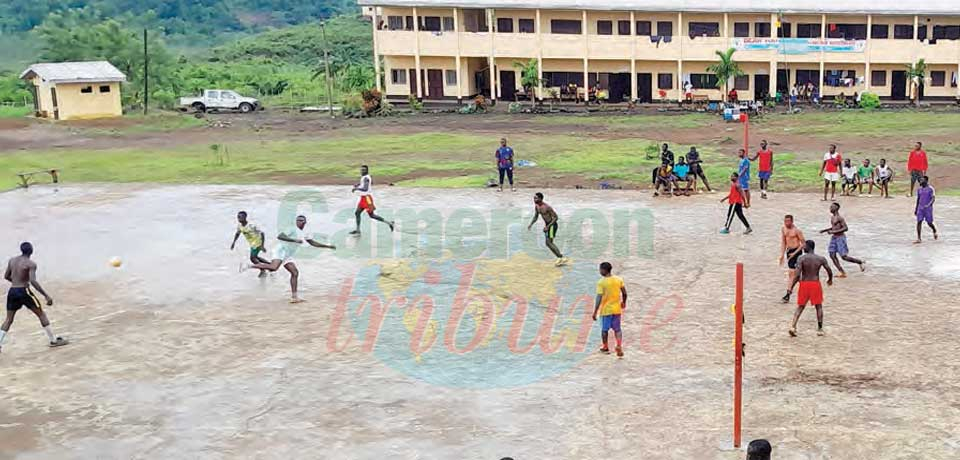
(26, 178)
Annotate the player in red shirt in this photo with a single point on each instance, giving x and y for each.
(765, 170)
(917, 165)
(736, 199)
(830, 170)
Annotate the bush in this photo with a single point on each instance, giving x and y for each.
(164, 99)
(415, 105)
(869, 101)
(352, 105)
(514, 107)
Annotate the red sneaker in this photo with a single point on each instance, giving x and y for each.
(605, 350)
(620, 352)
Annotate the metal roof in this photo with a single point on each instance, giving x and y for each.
(75, 72)
(880, 7)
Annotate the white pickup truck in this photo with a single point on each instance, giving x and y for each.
(220, 99)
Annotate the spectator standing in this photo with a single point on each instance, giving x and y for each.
(696, 168)
(917, 165)
(504, 156)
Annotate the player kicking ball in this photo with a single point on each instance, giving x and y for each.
(365, 187)
(22, 274)
(284, 252)
(808, 275)
(611, 301)
(550, 226)
(254, 237)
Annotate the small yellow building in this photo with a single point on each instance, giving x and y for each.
(75, 90)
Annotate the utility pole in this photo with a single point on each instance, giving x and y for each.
(326, 68)
(146, 78)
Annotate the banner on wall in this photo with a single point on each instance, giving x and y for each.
(800, 45)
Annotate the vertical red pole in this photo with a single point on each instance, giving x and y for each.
(738, 359)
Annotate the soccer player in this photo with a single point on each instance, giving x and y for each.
(254, 237)
(611, 301)
(926, 195)
(284, 252)
(866, 176)
(917, 165)
(365, 187)
(550, 227)
(22, 274)
(849, 178)
(884, 177)
(504, 156)
(696, 168)
(765, 167)
(808, 275)
(791, 246)
(838, 241)
(743, 177)
(735, 197)
(830, 170)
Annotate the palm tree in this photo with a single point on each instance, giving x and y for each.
(529, 78)
(725, 69)
(916, 73)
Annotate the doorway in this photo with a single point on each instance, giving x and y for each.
(508, 85)
(645, 87)
(413, 82)
(761, 86)
(53, 98)
(482, 80)
(898, 85)
(435, 83)
(618, 85)
(783, 82)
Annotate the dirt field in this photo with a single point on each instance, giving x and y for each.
(177, 355)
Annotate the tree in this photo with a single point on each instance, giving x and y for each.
(529, 77)
(916, 73)
(725, 69)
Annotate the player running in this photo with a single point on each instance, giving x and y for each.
(791, 246)
(838, 241)
(830, 170)
(550, 219)
(365, 187)
(765, 167)
(254, 237)
(808, 275)
(22, 274)
(926, 196)
(735, 197)
(743, 177)
(611, 301)
(284, 252)
(504, 157)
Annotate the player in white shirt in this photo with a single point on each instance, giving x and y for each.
(365, 187)
(283, 253)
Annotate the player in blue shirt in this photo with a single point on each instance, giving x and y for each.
(504, 156)
(743, 177)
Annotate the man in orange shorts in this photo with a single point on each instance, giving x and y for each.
(808, 275)
(365, 187)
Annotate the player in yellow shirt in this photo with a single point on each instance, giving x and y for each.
(611, 301)
(254, 238)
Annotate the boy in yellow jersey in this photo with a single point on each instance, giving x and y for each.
(254, 238)
(611, 301)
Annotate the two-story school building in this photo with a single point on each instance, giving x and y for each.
(646, 50)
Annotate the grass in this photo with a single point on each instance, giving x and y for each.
(7, 111)
(685, 121)
(866, 123)
(138, 123)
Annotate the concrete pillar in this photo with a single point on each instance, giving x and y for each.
(823, 34)
(820, 84)
(586, 53)
(456, 30)
(680, 78)
(421, 78)
(726, 26)
(867, 77)
(773, 25)
(823, 26)
(916, 28)
(586, 79)
(958, 77)
(539, 56)
(772, 90)
(679, 38)
(634, 93)
(494, 87)
(376, 52)
(774, 64)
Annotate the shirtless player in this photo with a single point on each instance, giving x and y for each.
(838, 241)
(808, 275)
(791, 246)
(22, 274)
(549, 225)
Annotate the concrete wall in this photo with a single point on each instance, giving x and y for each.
(73, 104)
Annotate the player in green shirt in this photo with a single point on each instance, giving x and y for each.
(866, 173)
(254, 238)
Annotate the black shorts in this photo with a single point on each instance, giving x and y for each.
(793, 255)
(551, 231)
(695, 170)
(19, 297)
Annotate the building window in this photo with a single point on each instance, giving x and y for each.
(847, 31)
(703, 29)
(938, 78)
(104, 89)
(785, 30)
(703, 80)
(86, 89)
(946, 32)
(604, 27)
(398, 76)
(623, 27)
(566, 26)
(878, 78)
(903, 32)
(526, 26)
(665, 81)
(741, 29)
(880, 31)
(451, 77)
(394, 22)
(665, 28)
(922, 33)
(408, 22)
(644, 28)
(953, 79)
(448, 23)
(505, 25)
(840, 78)
(762, 30)
(741, 83)
(808, 30)
(430, 23)
(807, 76)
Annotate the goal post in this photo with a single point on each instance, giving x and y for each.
(738, 358)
